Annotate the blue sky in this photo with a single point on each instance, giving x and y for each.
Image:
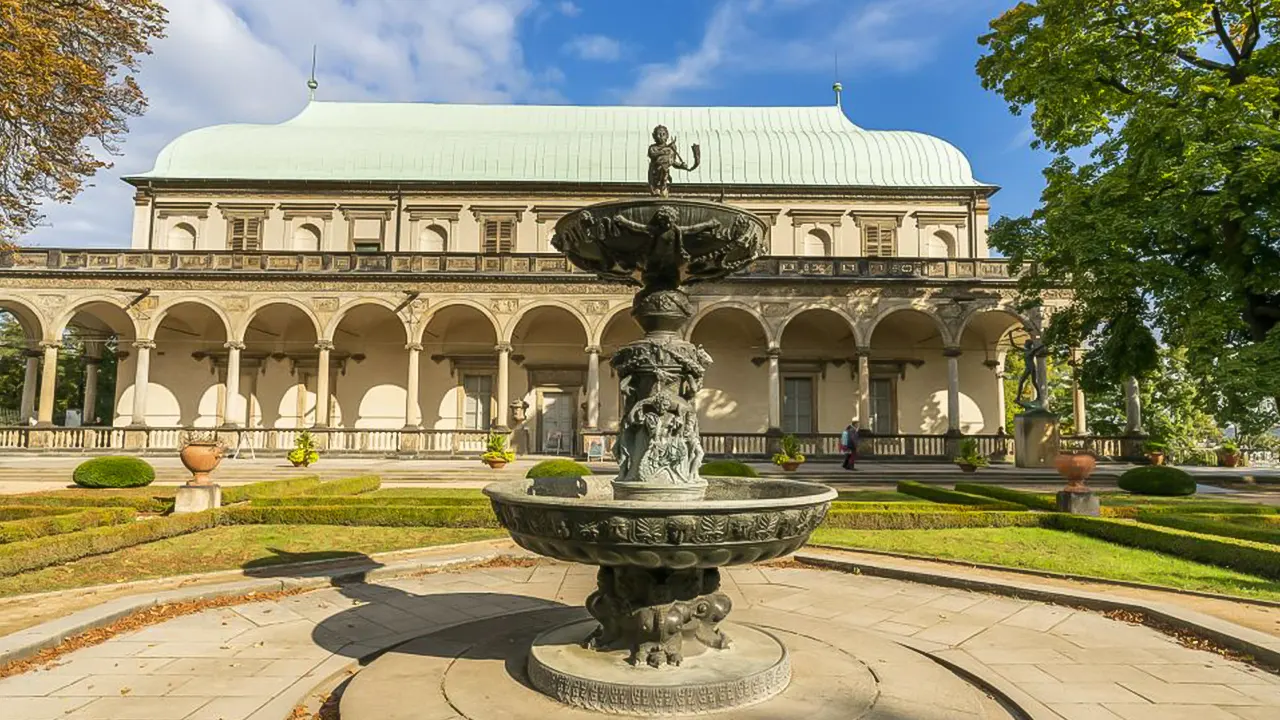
(905, 64)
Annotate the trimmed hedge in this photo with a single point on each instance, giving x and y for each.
(31, 528)
(943, 495)
(316, 501)
(68, 503)
(114, 471)
(928, 507)
(42, 552)
(1026, 499)
(1160, 480)
(270, 488)
(557, 468)
(22, 512)
(348, 486)
(727, 468)
(917, 520)
(393, 516)
(1243, 555)
(1213, 525)
(1252, 520)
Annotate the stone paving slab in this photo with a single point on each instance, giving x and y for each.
(256, 661)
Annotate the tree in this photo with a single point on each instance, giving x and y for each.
(69, 392)
(1058, 385)
(1162, 205)
(66, 77)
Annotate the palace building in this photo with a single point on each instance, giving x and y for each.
(383, 274)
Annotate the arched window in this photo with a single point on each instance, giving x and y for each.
(181, 237)
(434, 239)
(941, 245)
(816, 244)
(306, 237)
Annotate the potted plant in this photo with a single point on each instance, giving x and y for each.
(304, 451)
(789, 456)
(496, 455)
(201, 452)
(969, 459)
(1155, 451)
(1229, 454)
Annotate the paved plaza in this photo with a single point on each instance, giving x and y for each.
(257, 661)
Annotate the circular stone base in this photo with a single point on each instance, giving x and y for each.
(753, 669)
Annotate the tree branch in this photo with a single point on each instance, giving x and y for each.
(1252, 34)
(1224, 35)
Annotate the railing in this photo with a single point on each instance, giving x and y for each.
(996, 447)
(906, 447)
(1106, 447)
(361, 441)
(735, 444)
(14, 438)
(222, 262)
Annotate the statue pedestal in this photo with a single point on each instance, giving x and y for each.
(1079, 503)
(197, 498)
(1035, 439)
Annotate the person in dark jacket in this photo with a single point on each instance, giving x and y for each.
(849, 445)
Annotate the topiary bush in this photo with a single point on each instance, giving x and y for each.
(558, 468)
(1159, 480)
(728, 468)
(114, 471)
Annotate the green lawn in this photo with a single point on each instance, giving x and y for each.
(156, 491)
(877, 496)
(1056, 551)
(225, 548)
(426, 493)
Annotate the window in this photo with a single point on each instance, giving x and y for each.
(306, 238)
(816, 244)
(882, 420)
(941, 245)
(797, 405)
(477, 392)
(498, 236)
(182, 237)
(366, 234)
(878, 238)
(434, 239)
(244, 234)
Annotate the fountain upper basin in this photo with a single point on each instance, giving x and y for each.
(741, 521)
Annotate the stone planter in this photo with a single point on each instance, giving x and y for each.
(1156, 458)
(790, 466)
(966, 467)
(1075, 468)
(201, 458)
(1228, 459)
(495, 464)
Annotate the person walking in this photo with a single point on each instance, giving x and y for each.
(849, 445)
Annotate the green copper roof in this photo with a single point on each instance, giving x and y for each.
(331, 141)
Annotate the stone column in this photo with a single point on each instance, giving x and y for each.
(322, 383)
(1078, 413)
(775, 390)
(864, 390)
(29, 384)
(593, 387)
(91, 364)
(141, 379)
(953, 390)
(232, 415)
(1042, 369)
(1132, 407)
(504, 357)
(412, 410)
(48, 383)
(997, 368)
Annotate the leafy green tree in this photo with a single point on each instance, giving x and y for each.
(1060, 400)
(1162, 204)
(71, 375)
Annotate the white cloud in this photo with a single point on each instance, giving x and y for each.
(247, 61)
(740, 39)
(594, 47)
(569, 9)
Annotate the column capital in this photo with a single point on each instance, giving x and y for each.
(234, 345)
(862, 354)
(51, 345)
(502, 347)
(773, 353)
(952, 352)
(413, 347)
(31, 353)
(324, 345)
(90, 360)
(593, 349)
(144, 344)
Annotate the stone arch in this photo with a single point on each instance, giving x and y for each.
(29, 318)
(1006, 310)
(165, 309)
(509, 330)
(433, 238)
(735, 394)
(332, 326)
(597, 333)
(456, 302)
(181, 236)
(703, 312)
(122, 323)
(885, 311)
(307, 237)
(261, 305)
(373, 389)
(941, 244)
(816, 243)
(853, 326)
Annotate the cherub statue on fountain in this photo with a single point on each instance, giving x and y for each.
(663, 156)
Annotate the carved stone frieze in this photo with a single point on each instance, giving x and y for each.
(504, 305)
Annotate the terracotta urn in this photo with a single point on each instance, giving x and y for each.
(967, 467)
(1156, 458)
(201, 458)
(496, 464)
(1228, 459)
(790, 466)
(1076, 468)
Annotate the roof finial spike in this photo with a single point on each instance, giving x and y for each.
(836, 86)
(311, 83)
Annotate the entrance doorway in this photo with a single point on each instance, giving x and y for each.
(558, 423)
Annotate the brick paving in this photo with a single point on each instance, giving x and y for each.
(257, 661)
